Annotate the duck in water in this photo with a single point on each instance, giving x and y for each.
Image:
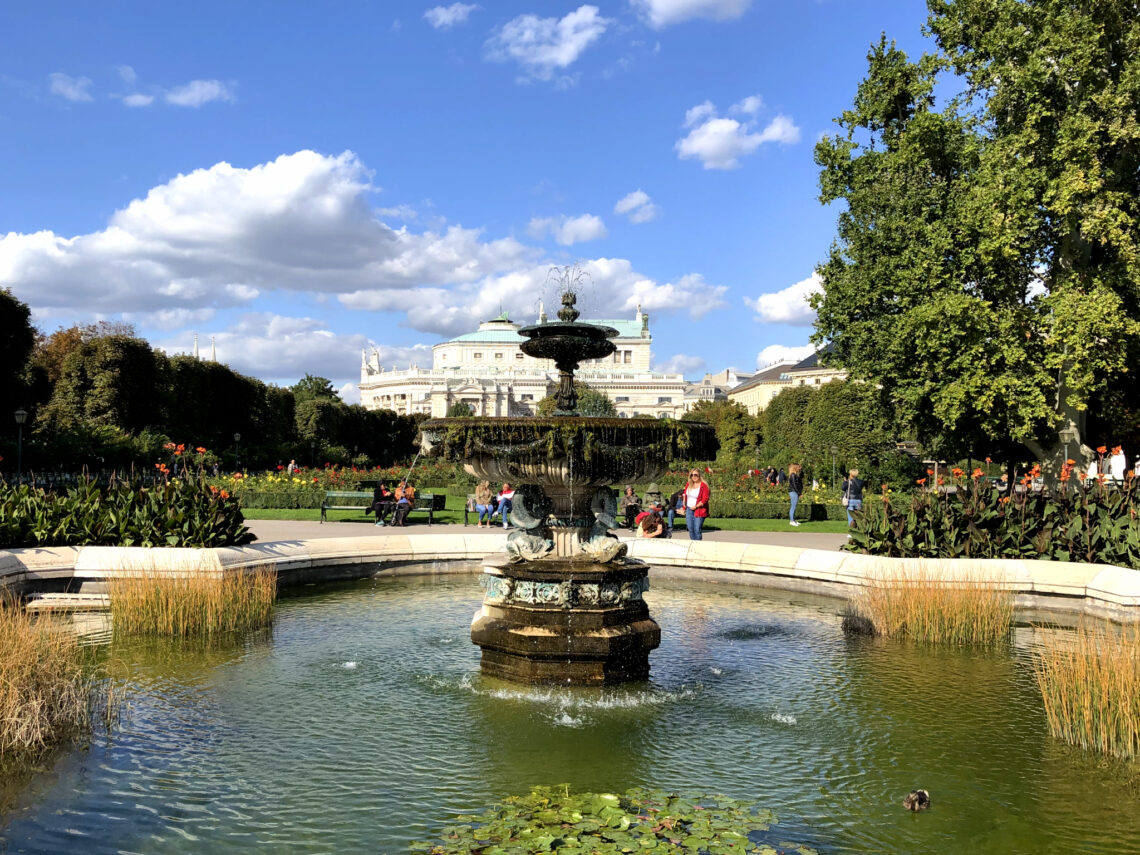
(917, 800)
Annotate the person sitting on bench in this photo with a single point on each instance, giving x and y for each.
(382, 503)
(405, 501)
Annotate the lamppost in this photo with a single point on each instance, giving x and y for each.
(21, 417)
(237, 451)
(834, 452)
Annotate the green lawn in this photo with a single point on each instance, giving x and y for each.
(454, 514)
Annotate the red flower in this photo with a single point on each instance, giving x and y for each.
(279, 467)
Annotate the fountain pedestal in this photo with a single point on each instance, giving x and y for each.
(566, 623)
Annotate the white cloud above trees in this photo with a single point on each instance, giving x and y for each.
(790, 305)
(719, 142)
(198, 92)
(445, 17)
(776, 353)
(568, 231)
(637, 207)
(681, 363)
(70, 88)
(663, 13)
(546, 46)
(224, 240)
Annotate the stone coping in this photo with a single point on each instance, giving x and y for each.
(1092, 588)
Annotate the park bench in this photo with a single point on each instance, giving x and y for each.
(346, 500)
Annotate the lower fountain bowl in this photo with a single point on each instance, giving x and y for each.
(543, 624)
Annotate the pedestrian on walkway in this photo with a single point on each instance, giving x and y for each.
(853, 494)
(795, 489)
(696, 504)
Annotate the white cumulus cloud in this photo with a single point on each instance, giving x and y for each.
(137, 99)
(198, 92)
(543, 46)
(127, 74)
(789, 306)
(637, 206)
(71, 88)
(568, 230)
(681, 363)
(443, 17)
(720, 142)
(776, 353)
(662, 13)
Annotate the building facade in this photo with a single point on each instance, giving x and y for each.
(488, 371)
(755, 394)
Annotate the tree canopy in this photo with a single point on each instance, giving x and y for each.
(312, 387)
(591, 402)
(986, 271)
(738, 432)
(17, 336)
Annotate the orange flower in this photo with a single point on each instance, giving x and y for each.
(920, 481)
(978, 473)
(956, 472)
(929, 471)
(1004, 499)
(1100, 449)
(169, 446)
(224, 494)
(1066, 472)
(1070, 462)
(1116, 449)
(213, 490)
(200, 450)
(988, 460)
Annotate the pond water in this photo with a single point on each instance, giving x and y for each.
(361, 723)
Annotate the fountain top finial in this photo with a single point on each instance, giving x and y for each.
(568, 313)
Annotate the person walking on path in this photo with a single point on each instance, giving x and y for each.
(696, 504)
(484, 503)
(795, 489)
(853, 494)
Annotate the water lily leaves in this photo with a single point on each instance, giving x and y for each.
(552, 819)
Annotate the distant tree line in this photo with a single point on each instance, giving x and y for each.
(97, 395)
(802, 424)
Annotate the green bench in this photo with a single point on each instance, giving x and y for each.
(346, 500)
(361, 500)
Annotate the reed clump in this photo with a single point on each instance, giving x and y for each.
(48, 685)
(913, 606)
(194, 603)
(1090, 685)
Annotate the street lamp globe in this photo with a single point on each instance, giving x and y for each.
(21, 416)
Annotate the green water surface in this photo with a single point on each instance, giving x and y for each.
(360, 722)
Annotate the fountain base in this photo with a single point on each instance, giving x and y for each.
(565, 623)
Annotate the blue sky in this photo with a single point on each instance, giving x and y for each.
(302, 180)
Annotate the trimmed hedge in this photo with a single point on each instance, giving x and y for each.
(774, 511)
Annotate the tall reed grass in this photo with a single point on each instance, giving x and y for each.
(198, 603)
(910, 605)
(1090, 685)
(48, 683)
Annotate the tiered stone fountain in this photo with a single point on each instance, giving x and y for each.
(564, 604)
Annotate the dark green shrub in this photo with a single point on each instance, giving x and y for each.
(179, 512)
(1093, 523)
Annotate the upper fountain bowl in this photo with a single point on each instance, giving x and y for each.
(558, 340)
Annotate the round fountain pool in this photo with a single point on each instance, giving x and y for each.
(362, 723)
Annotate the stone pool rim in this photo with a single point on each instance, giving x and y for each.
(1079, 589)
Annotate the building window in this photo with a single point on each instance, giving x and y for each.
(628, 357)
(478, 355)
(519, 355)
(498, 354)
(661, 401)
(662, 415)
(526, 397)
(816, 381)
(621, 399)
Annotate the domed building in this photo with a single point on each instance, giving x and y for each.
(488, 371)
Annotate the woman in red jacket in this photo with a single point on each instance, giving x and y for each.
(696, 504)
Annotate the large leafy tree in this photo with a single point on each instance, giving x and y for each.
(986, 272)
(16, 340)
(738, 432)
